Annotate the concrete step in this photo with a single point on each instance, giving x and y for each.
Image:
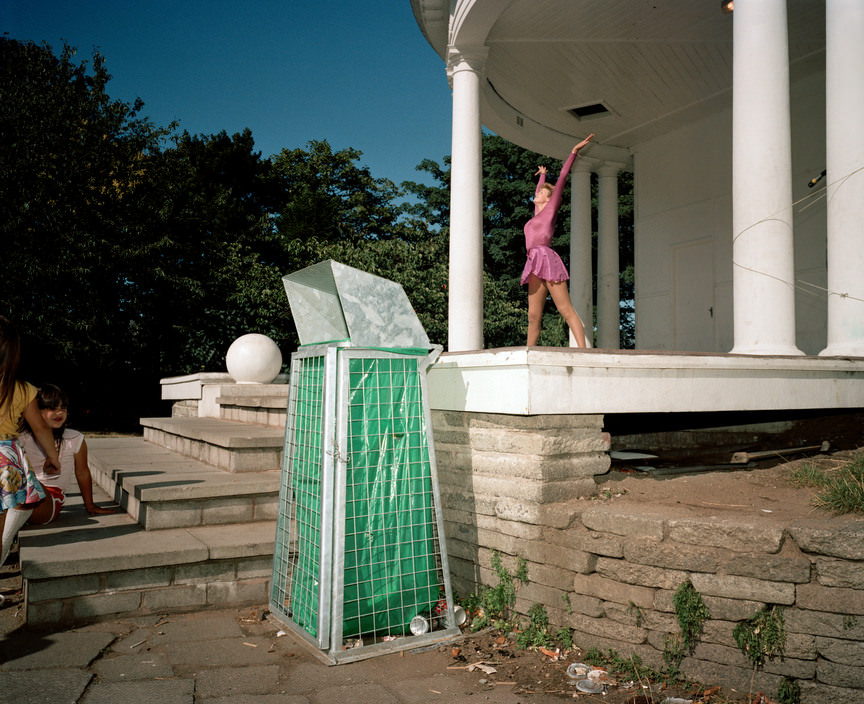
(195, 536)
(161, 489)
(226, 444)
(82, 568)
(263, 404)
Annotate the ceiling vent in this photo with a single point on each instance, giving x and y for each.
(591, 110)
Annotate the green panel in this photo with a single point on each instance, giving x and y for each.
(300, 499)
(391, 571)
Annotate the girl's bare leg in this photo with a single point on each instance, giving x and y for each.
(561, 297)
(537, 293)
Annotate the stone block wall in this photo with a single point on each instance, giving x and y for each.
(74, 599)
(520, 486)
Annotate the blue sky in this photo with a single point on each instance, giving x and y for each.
(358, 74)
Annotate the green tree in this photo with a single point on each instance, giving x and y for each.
(217, 261)
(73, 166)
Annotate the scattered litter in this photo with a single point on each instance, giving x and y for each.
(676, 700)
(597, 674)
(551, 654)
(251, 645)
(140, 642)
(434, 691)
(388, 638)
(589, 686)
(279, 634)
(578, 670)
(483, 667)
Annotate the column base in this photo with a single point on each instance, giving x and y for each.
(855, 348)
(768, 350)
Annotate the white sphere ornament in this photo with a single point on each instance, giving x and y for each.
(253, 359)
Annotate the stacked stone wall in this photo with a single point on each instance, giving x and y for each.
(521, 486)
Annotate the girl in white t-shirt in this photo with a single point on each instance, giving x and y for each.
(72, 450)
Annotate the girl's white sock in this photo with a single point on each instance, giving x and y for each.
(15, 518)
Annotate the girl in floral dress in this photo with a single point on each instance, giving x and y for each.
(20, 491)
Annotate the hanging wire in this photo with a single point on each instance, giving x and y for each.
(799, 284)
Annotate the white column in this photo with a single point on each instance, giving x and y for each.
(581, 271)
(465, 308)
(844, 106)
(762, 247)
(608, 291)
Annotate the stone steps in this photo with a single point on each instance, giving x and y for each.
(160, 489)
(192, 536)
(226, 444)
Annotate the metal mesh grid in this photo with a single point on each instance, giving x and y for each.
(359, 559)
(392, 560)
(297, 559)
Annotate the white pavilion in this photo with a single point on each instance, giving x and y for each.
(748, 260)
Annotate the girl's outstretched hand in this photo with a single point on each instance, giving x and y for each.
(583, 143)
(540, 170)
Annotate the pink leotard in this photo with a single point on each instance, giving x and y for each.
(543, 262)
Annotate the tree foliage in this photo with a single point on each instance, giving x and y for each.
(135, 252)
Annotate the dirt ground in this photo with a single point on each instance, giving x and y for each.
(550, 677)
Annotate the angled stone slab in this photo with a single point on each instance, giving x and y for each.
(237, 540)
(105, 548)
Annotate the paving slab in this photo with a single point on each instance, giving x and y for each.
(49, 687)
(127, 668)
(233, 681)
(191, 628)
(227, 652)
(32, 650)
(173, 691)
(257, 699)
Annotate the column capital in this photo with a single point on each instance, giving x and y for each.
(585, 164)
(609, 168)
(466, 58)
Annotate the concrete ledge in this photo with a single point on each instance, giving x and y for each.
(225, 444)
(108, 544)
(546, 380)
(222, 433)
(85, 567)
(161, 489)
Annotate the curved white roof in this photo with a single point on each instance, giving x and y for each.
(653, 65)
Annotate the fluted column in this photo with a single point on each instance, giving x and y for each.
(844, 106)
(465, 306)
(762, 249)
(581, 272)
(608, 290)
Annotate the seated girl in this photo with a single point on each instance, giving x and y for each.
(72, 450)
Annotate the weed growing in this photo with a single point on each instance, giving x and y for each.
(762, 636)
(841, 489)
(493, 606)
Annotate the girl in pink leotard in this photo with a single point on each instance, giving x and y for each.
(544, 271)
